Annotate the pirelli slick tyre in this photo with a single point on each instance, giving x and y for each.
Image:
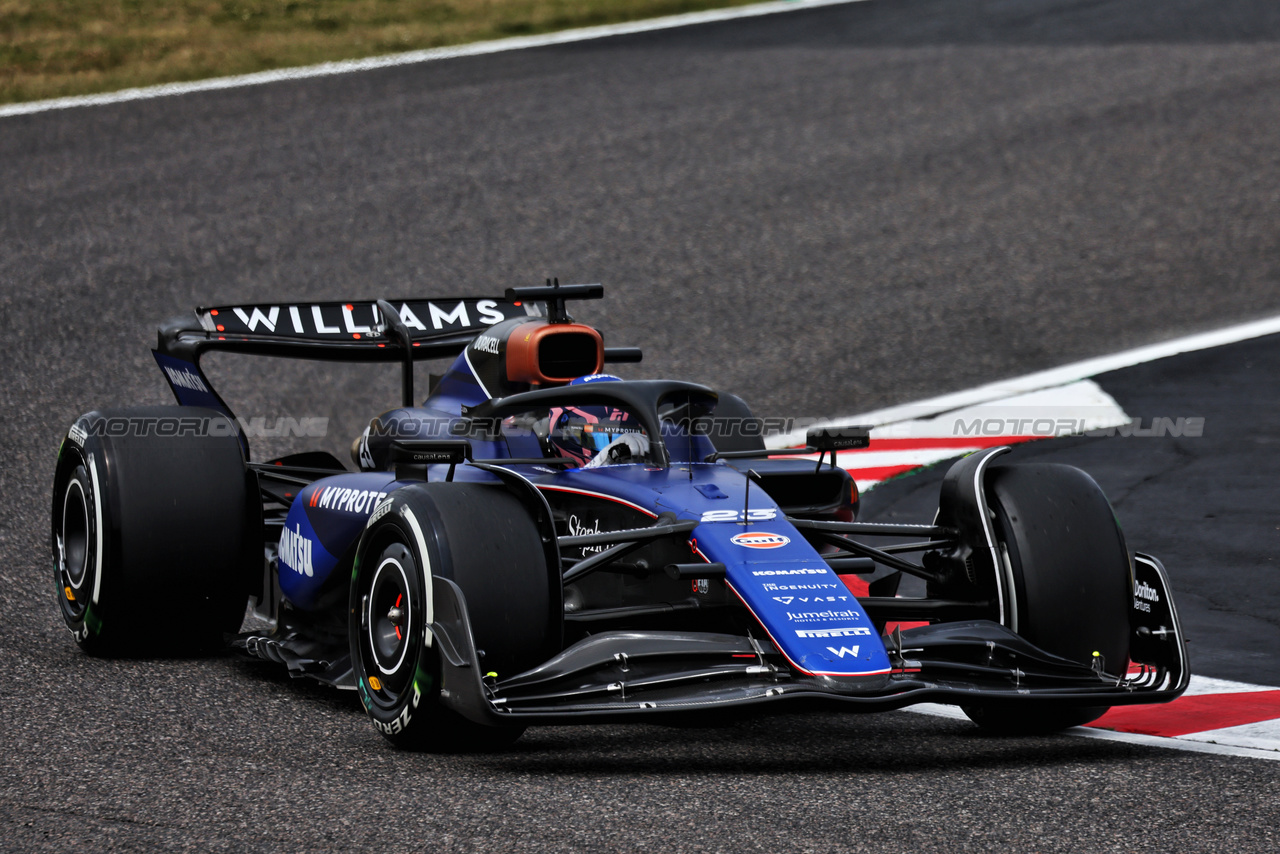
(1072, 582)
(156, 530)
(480, 537)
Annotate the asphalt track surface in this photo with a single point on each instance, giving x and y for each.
(825, 212)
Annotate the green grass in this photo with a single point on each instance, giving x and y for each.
(51, 48)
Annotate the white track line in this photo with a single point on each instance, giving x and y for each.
(1260, 740)
(1175, 743)
(1046, 379)
(326, 69)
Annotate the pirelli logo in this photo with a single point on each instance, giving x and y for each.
(850, 632)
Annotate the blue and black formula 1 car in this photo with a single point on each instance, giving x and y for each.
(538, 543)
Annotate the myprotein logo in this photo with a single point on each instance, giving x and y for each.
(759, 540)
(346, 500)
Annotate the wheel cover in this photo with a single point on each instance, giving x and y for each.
(391, 626)
(73, 541)
(74, 549)
(389, 615)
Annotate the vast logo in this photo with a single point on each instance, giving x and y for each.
(759, 540)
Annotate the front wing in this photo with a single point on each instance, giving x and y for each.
(630, 674)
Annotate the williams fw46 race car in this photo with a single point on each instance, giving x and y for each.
(540, 543)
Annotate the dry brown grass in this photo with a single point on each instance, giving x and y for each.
(50, 48)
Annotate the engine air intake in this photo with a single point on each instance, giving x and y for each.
(553, 353)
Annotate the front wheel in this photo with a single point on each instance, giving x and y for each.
(1068, 582)
(480, 537)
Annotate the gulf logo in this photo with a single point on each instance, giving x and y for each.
(759, 540)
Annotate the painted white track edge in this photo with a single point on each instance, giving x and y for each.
(1175, 743)
(326, 69)
(1046, 379)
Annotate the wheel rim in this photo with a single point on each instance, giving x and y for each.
(390, 625)
(73, 540)
(389, 615)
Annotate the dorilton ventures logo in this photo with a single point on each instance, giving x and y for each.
(759, 540)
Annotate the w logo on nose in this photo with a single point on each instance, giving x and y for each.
(844, 650)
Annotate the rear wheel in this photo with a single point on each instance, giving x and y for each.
(155, 530)
(1068, 581)
(480, 537)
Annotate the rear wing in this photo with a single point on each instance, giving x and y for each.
(356, 331)
(340, 331)
(403, 330)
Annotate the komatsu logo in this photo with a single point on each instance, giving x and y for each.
(847, 632)
(295, 551)
(185, 379)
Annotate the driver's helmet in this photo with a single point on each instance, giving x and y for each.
(582, 433)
